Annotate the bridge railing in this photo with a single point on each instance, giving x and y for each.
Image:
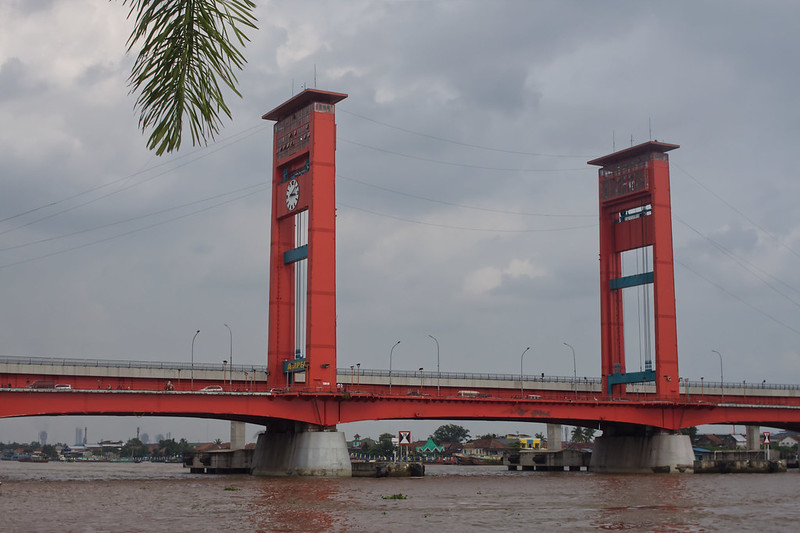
(732, 387)
(736, 386)
(465, 376)
(116, 363)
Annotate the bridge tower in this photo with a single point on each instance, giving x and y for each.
(302, 286)
(635, 216)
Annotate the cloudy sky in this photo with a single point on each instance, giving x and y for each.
(466, 209)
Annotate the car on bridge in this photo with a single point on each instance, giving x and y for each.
(212, 388)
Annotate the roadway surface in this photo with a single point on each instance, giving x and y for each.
(99, 387)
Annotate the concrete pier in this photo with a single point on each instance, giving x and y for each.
(740, 462)
(553, 437)
(297, 449)
(637, 449)
(548, 460)
(219, 462)
(238, 435)
(753, 437)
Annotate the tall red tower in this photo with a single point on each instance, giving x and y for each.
(302, 282)
(635, 213)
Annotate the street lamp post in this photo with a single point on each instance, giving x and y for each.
(358, 376)
(521, 383)
(224, 364)
(390, 365)
(230, 356)
(721, 379)
(352, 374)
(420, 380)
(438, 372)
(574, 369)
(193, 338)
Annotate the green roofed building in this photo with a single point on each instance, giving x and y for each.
(429, 448)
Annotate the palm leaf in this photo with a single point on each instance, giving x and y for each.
(189, 48)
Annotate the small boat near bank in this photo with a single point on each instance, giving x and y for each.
(466, 459)
(34, 458)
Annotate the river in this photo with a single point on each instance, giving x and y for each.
(125, 497)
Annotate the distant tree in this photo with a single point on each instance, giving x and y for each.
(218, 442)
(50, 451)
(487, 436)
(384, 445)
(170, 448)
(539, 436)
(450, 433)
(133, 448)
(515, 446)
(692, 432)
(580, 434)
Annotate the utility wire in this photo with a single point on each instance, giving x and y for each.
(738, 211)
(196, 155)
(459, 143)
(444, 202)
(745, 264)
(117, 236)
(131, 219)
(448, 226)
(723, 289)
(461, 165)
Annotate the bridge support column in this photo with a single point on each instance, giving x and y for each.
(640, 449)
(238, 435)
(753, 437)
(554, 437)
(298, 449)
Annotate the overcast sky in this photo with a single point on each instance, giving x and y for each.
(466, 209)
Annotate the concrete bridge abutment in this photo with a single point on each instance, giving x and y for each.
(641, 449)
(238, 435)
(554, 437)
(753, 437)
(289, 448)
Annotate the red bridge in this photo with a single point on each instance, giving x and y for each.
(300, 395)
(139, 388)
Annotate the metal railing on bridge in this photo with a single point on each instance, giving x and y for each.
(116, 363)
(685, 384)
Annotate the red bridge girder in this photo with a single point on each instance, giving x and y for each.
(329, 409)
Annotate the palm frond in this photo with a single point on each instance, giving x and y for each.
(188, 48)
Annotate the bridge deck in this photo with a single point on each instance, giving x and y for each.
(137, 387)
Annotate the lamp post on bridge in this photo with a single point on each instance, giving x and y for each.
(521, 383)
(420, 380)
(230, 357)
(224, 364)
(721, 380)
(193, 338)
(358, 378)
(438, 372)
(574, 369)
(390, 365)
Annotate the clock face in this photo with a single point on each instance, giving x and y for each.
(292, 194)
